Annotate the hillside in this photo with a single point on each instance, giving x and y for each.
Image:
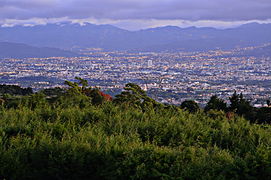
(18, 50)
(75, 135)
(169, 38)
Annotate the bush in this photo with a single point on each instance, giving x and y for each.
(131, 138)
(108, 142)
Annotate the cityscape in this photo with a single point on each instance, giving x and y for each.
(168, 77)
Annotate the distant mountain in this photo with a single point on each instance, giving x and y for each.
(258, 52)
(169, 38)
(18, 50)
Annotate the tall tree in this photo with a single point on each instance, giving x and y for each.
(190, 105)
(242, 106)
(216, 104)
(134, 96)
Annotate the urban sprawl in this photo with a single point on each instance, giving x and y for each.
(167, 77)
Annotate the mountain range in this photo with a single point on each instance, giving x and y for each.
(169, 38)
(258, 51)
(19, 50)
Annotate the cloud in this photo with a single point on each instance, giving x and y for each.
(227, 10)
(144, 11)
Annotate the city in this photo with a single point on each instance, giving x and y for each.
(168, 77)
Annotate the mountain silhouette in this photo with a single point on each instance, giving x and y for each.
(19, 50)
(108, 37)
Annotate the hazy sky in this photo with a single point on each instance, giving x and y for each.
(136, 14)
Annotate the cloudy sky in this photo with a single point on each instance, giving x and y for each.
(136, 14)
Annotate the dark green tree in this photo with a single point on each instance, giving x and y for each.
(53, 92)
(235, 101)
(83, 83)
(96, 96)
(242, 106)
(82, 88)
(134, 96)
(216, 104)
(190, 106)
(268, 103)
(15, 90)
(264, 115)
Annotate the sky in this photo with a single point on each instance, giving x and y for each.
(136, 14)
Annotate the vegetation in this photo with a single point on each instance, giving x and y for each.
(72, 136)
(190, 106)
(216, 104)
(14, 90)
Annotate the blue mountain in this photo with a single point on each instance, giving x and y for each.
(19, 50)
(108, 37)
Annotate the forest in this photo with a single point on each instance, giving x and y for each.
(82, 133)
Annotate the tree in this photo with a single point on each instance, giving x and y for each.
(82, 88)
(53, 92)
(268, 103)
(190, 105)
(73, 87)
(134, 96)
(235, 101)
(96, 97)
(216, 104)
(83, 83)
(239, 103)
(242, 106)
(15, 90)
(264, 115)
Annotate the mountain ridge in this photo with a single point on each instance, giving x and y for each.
(166, 38)
(20, 50)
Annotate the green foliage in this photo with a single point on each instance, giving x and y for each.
(53, 92)
(216, 104)
(14, 90)
(32, 101)
(82, 89)
(216, 114)
(73, 100)
(131, 138)
(134, 96)
(110, 142)
(239, 104)
(190, 106)
(242, 107)
(96, 96)
(264, 115)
